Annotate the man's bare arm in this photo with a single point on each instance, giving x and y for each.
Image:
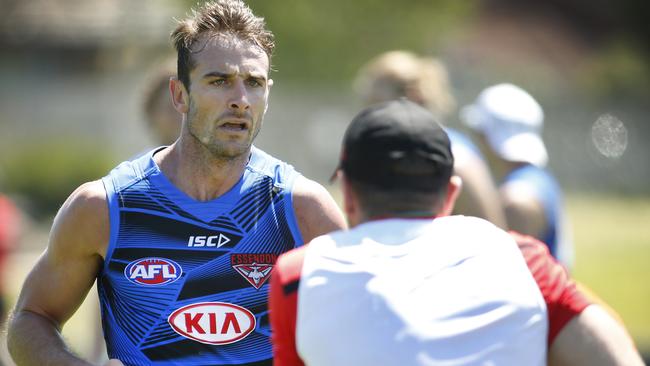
(60, 280)
(316, 211)
(479, 196)
(593, 338)
(524, 212)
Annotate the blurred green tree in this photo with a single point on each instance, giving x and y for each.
(327, 41)
(44, 174)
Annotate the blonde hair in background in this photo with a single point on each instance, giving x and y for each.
(398, 73)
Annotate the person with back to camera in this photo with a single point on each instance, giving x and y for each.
(509, 123)
(424, 80)
(407, 285)
(182, 240)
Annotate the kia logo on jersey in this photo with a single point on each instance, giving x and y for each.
(212, 322)
(153, 271)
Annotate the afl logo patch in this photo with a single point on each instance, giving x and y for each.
(212, 322)
(153, 271)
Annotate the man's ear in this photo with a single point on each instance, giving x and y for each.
(180, 95)
(351, 207)
(454, 187)
(269, 84)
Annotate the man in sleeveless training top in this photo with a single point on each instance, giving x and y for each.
(182, 240)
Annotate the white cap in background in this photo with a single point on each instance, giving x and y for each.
(511, 120)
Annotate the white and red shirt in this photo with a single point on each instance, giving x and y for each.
(452, 291)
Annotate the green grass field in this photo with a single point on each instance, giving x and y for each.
(612, 237)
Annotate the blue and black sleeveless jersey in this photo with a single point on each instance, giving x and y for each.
(185, 282)
(548, 192)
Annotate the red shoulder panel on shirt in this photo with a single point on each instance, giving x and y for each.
(563, 299)
(283, 302)
(288, 268)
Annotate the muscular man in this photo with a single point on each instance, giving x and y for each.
(172, 236)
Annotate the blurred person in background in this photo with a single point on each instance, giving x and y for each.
(424, 80)
(509, 124)
(378, 277)
(163, 121)
(182, 240)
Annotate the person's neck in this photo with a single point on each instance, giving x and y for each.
(197, 172)
(396, 215)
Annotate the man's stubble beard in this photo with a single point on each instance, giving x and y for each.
(217, 149)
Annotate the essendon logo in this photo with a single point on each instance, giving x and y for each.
(212, 322)
(153, 271)
(254, 267)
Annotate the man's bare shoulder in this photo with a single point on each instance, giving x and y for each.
(316, 211)
(524, 212)
(87, 203)
(90, 195)
(83, 220)
(306, 189)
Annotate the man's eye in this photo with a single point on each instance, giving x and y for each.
(219, 82)
(254, 82)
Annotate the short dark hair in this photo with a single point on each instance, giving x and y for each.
(231, 17)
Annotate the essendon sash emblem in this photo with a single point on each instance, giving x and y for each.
(254, 267)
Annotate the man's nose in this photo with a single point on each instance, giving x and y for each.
(239, 97)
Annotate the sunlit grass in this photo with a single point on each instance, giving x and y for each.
(612, 237)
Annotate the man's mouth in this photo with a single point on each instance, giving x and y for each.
(235, 125)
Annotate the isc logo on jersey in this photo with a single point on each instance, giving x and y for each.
(153, 271)
(212, 322)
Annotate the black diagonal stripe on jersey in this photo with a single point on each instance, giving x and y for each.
(201, 283)
(154, 200)
(123, 256)
(134, 318)
(225, 222)
(271, 235)
(135, 199)
(170, 229)
(253, 346)
(255, 204)
(172, 206)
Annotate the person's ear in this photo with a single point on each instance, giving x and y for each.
(180, 95)
(454, 187)
(350, 202)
